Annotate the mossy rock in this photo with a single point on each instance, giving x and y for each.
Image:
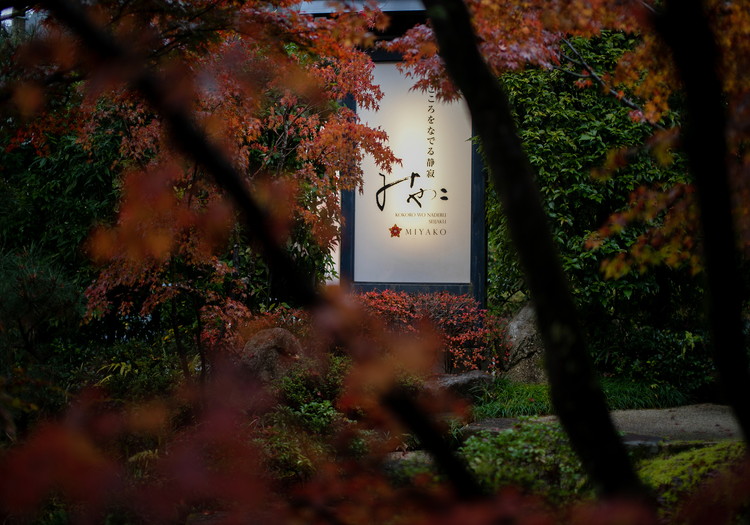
(676, 477)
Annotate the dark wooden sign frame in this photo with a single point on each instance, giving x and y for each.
(477, 287)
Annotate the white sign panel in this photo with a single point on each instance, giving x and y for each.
(414, 225)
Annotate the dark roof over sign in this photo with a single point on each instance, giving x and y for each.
(389, 6)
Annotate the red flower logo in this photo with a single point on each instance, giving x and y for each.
(395, 231)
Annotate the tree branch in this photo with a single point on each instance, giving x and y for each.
(599, 80)
(402, 404)
(575, 392)
(188, 136)
(684, 27)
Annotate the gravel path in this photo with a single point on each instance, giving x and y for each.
(705, 422)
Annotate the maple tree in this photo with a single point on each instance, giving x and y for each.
(244, 96)
(275, 110)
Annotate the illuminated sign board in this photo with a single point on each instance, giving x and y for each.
(420, 227)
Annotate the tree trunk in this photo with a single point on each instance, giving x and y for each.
(685, 29)
(575, 392)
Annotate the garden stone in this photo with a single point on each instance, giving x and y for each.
(526, 350)
(467, 385)
(270, 353)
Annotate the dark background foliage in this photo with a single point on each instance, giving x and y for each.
(645, 325)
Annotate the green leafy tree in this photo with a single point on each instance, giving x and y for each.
(643, 323)
(52, 201)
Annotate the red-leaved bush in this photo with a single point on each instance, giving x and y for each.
(470, 336)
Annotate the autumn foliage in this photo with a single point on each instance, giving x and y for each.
(265, 82)
(515, 35)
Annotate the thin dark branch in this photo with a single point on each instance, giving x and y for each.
(572, 60)
(571, 73)
(599, 80)
(648, 6)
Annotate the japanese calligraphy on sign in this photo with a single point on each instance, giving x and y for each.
(414, 224)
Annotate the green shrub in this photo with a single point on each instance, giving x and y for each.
(627, 394)
(128, 370)
(290, 455)
(507, 398)
(132, 371)
(292, 436)
(311, 381)
(660, 356)
(533, 456)
(316, 417)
